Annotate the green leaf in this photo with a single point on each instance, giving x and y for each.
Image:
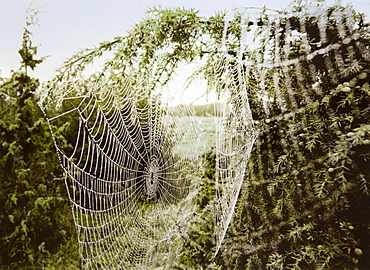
(11, 218)
(13, 198)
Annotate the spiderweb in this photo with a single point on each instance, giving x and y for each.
(130, 175)
(134, 167)
(235, 135)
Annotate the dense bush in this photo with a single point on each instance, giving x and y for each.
(305, 200)
(37, 230)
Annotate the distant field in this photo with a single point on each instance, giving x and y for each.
(193, 135)
(209, 124)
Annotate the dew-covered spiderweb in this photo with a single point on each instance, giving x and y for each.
(134, 165)
(131, 174)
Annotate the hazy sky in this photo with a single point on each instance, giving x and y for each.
(69, 25)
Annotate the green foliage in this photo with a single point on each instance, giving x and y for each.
(149, 54)
(28, 51)
(305, 202)
(198, 247)
(37, 231)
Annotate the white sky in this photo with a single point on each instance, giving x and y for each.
(69, 25)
